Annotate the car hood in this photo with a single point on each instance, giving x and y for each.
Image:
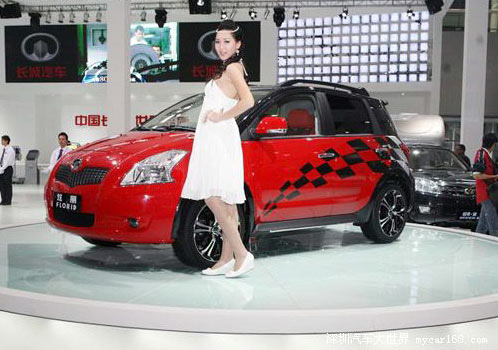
(134, 144)
(448, 176)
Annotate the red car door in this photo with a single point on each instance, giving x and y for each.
(282, 170)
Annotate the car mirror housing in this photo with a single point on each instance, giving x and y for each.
(270, 126)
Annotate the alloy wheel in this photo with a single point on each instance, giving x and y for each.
(392, 212)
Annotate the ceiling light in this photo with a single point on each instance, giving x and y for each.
(86, 16)
(224, 15)
(61, 17)
(295, 15)
(278, 15)
(48, 17)
(143, 15)
(267, 12)
(98, 16)
(344, 13)
(71, 17)
(200, 3)
(161, 17)
(34, 19)
(233, 13)
(252, 13)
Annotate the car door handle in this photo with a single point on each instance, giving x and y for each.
(327, 155)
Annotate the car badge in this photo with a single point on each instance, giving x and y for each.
(469, 191)
(75, 165)
(205, 46)
(40, 47)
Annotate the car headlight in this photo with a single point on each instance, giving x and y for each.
(428, 186)
(155, 169)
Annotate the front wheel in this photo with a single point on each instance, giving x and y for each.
(388, 216)
(200, 241)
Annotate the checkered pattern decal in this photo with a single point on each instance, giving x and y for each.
(355, 154)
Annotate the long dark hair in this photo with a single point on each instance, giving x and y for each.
(236, 32)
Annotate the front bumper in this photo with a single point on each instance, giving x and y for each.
(432, 209)
(107, 212)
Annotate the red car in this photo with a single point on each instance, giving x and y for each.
(315, 154)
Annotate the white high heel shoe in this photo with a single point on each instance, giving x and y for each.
(220, 270)
(247, 265)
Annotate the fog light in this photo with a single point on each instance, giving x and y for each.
(424, 209)
(133, 222)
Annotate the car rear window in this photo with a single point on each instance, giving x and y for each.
(349, 115)
(385, 123)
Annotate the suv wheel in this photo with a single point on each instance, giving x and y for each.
(199, 242)
(388, 216)
(101, 243)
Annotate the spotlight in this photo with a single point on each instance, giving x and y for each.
(344, 13)
(143, 15)
(71, 17)
(34, 19)
(410, 14)
(224, 15)
(86, 16)
(434, 6)
(48, 17)
(61, 17)
(198, 7)
(278, 15)
(98, 16)
(252, 13)
(233, 13)
(295, 15)
(161, 17)
(267, 12)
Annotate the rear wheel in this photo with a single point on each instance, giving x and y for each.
(101, 243)
(200, 241)
(388, 217)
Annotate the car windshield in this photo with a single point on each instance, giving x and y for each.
(184, 115)
(433, 158)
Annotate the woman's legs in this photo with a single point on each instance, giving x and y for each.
(227, 217)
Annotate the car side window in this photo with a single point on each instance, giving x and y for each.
(385, 122)
(349, 115)
(300, 113)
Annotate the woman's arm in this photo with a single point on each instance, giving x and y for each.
(479, 176)
(236, 75)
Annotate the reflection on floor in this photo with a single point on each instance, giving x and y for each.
(331, 268)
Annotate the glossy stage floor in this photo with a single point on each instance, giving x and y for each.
(326, 280)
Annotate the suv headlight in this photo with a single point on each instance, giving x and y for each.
(428, 186)
(155, 169)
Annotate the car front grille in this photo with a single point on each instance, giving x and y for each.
(87, 176)
(459, 191)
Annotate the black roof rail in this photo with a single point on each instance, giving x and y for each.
(359, 91)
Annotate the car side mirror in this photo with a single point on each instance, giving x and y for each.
(270, 126)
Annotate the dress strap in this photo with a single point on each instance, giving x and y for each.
(242, 63)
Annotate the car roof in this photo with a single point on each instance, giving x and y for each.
(421, 145)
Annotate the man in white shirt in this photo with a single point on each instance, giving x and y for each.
(7, 161)
(138, 37)
(59, 151)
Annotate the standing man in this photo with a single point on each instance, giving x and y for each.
(7, 161)
(59, 151)
(484, 173)
(460, 151)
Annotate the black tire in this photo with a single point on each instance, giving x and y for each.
(101, 243)
(199, 240)
(389, 215)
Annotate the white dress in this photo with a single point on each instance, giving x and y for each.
(216, 166)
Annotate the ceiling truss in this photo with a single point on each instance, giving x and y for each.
(228, 4)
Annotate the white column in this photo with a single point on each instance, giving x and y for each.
(437, 43)
(474, 74)
(118, 58)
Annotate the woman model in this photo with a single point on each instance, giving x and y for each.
(216, 168)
